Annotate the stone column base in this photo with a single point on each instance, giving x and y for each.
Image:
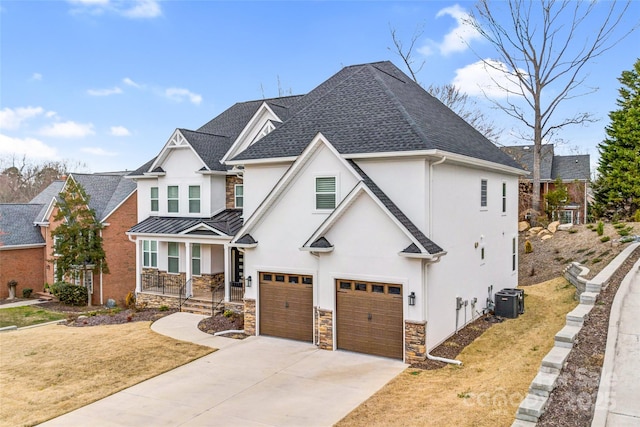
(250, 316)
(415, 341)
(325, 329)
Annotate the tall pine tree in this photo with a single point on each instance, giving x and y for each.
(617, 189)
(78, 249)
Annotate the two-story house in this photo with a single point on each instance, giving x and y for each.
(27, 248)
(374, 219)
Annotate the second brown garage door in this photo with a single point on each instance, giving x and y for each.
(286, 306)
(369, 317)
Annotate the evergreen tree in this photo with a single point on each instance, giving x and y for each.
(78, 243)
(617, 189)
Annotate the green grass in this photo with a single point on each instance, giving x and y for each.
(27, 316)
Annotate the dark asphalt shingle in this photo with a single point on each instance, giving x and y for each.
(567, 168)
(17, 224)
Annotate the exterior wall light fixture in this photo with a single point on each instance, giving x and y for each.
(248, 281)
(412, 298)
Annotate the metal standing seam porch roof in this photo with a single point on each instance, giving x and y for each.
(228, 222)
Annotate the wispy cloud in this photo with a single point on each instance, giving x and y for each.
(97, 151)
(491, 78)
(133, 9)
(105, 92)
(458, 39)
(36, 76)
(131, 83)
(68, 129)
(29, 147)
(119, 131)
(181, 94)
(12, 119)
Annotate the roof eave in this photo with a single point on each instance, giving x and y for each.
(423, 255)
(311, 249)
(261, 161)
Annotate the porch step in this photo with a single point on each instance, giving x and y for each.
(198, 306)
(45, 296)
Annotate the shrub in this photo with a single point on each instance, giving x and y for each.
(636, 216)
(163, 308)
(600, 228)
(619, 225)
(572, 231)
(625, 231)
(130, 300)
(55, 288)
(26, 292)
(72, 294)
(604, 239)
(528, 247)
(590, 226)
(228, 313)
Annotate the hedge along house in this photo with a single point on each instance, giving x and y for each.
(572, 170)
(190, 207)
(364, 215)
(28, 246)
(376, 219)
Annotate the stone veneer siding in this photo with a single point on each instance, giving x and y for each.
(249, 316)
(415, 341)
(153, 300)
(231, 182)
(202, 284)
(325, 329)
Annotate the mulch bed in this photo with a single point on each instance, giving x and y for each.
(457, 342)
(572, 402)
(220, 323)
(95, 316)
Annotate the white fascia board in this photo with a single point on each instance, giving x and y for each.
(212, 172)
(262, 161)
(429, 257)
(16, 247)
(205, 226)
(181, 238)
(310, 249)
(165, 152)
(261, 116)
(45, 219)
(243, 245)
(118, 206)
(439, 154)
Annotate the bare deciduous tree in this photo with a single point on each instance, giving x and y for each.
(546, 45)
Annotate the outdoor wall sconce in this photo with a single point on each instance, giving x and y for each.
(248, 281)
(412, 298)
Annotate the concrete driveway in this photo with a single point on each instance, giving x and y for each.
(259, 381)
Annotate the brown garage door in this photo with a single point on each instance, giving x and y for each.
(369, 317)
(286, 306)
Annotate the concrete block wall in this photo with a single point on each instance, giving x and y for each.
(535, 403)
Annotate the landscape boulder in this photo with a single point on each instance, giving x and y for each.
(535, 230)
(565, 227)
(523, 226)
(553, 226)
(546, 237)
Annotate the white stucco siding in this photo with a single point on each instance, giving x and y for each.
(218, 194)
(181, 166)
(144, 197)
(293, 218)
(258, 181)
(463, 228)
(405, 181)
(366, 246)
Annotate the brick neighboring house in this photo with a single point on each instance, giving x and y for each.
(573, 170)
(26, 244)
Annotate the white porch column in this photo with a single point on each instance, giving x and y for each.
(227, 273)
(138, 265)
(188, 275)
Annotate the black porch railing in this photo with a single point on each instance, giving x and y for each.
(236, 291)
(164, 284)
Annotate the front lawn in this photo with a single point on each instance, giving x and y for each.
(51, 370)
(488, 388)
(26, 316)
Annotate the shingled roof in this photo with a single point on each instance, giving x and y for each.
(374, 108)
(567, 168)
(106, 191)
(17, 224)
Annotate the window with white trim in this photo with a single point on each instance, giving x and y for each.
(483, 193)
(513, 254)
(150, 253)
(238, 195)
(56, 242)
(195, 259)
(266, 130)
(173, 257)
(155, 203)
(325, 192)
(194, 199)
(173, 205)
(504, 197)
(88, 280)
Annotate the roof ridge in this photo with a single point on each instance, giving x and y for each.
(203, 133)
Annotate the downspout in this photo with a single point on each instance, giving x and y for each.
(101, 296)
(424, 293)
(430, 219)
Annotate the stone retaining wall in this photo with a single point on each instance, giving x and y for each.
(153, 300)
(575, 273)
(415, 341)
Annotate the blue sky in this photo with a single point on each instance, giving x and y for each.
(106, 82)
